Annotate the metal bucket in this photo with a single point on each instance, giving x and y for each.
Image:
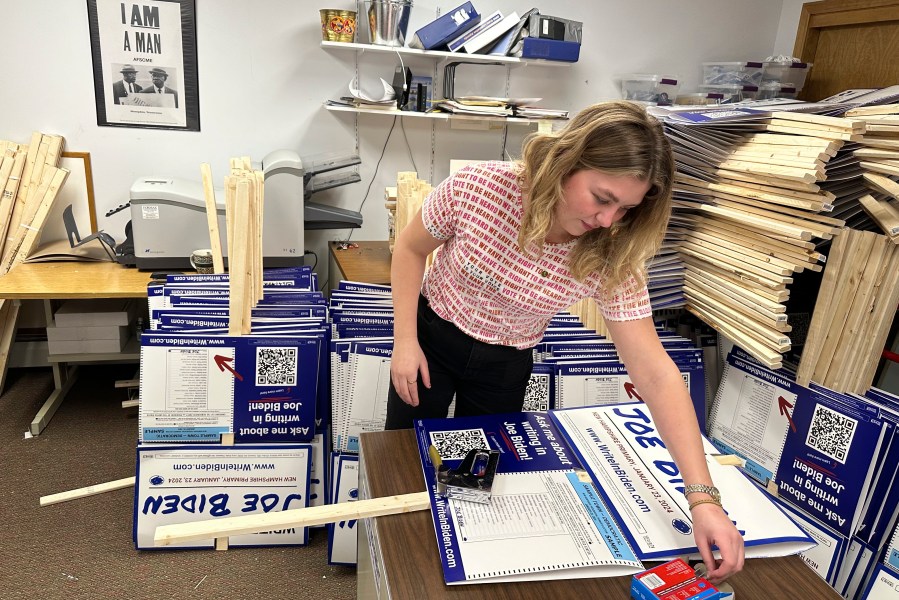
(387, 20)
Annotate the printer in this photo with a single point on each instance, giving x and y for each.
(168, 214)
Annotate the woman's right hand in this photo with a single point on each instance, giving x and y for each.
(406, 363)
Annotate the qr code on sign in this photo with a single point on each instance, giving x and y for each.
(454, 445)
(536, 396)
(831, 433)
(276, 366)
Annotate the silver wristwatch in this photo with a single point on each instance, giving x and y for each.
(705, 489)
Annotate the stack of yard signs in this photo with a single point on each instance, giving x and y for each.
(361, 317)
(853, 313)
(747, 199)
(29, 182)
(832, 459)
(229, 387)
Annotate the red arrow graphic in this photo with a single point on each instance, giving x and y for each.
(783, 405)
(222, 363)
(631, 390)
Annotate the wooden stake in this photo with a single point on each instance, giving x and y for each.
(212, 220)
(84, 492)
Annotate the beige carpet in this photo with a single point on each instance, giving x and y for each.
(83, 548)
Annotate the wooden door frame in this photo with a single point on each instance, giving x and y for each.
(816, 16)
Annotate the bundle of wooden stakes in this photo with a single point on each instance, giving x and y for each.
(853, 313)
(746, 206)
(879, 156)
(410, 195)
(244, 204)
(30, 180)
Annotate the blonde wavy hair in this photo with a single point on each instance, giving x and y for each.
(616, 138)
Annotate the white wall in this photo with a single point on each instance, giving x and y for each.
(263, 77)
(789, 23)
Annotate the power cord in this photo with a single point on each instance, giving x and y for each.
(375, 174)
(314, 255)
(408, 146)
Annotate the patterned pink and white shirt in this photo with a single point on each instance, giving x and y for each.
(484, 284)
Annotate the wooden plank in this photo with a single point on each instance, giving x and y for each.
(10, 190)
(886, 216)
(838, 122)
(739, 293)
(9, 317)
(748, 192)
(817, 229)
(773, 139)
(33, 234)
(20, 222)
(881, 317)
(875, 142)
(838, 370)
(212, 221)
(301, 517)
(875, 153)
(767, 268)
(734, 301)
(796, 173)
(779, 152)
(736, 268)
(859, 249)
(771, 181)
(703, 237)
(771, 338)
(773, 294)
(91, 490)
(260, 221)
(820, 315)
(856, 363)
(885, 109)
(759, 239)
(772, 225)
(768, 357)
(816, 129)
(30, 159)
(827, 135)
(880, 167)
(798, 162)
(237, 254)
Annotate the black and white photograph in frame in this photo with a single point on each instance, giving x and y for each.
(145, 63)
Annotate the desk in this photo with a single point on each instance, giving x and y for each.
(64, 281)
(408, 564)
(369, 263)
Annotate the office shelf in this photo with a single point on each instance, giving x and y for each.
(440, 55)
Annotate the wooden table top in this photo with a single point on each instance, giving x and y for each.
(70, 279)
(412, 561)
(369, 263)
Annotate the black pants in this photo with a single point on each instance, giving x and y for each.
(485, 378)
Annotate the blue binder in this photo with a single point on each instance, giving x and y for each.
(534, 47)
(446, 27)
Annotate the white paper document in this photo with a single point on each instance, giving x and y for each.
(542, 525)
(641, 484)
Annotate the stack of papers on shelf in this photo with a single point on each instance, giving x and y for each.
(458, 107)
(489, 105)
(535, 112)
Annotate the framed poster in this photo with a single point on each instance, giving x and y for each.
(145, 63)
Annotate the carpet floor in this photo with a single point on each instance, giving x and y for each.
(83, 549)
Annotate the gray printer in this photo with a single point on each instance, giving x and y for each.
(168, 214)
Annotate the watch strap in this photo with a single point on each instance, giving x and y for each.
(704, 489)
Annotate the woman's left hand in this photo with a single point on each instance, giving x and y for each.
(712, 526)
